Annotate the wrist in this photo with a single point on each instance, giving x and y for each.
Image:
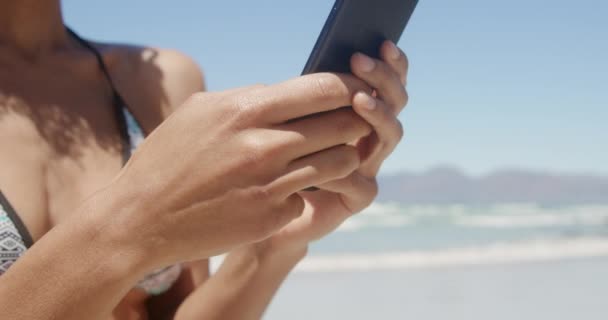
(104, 223)
(270, 250)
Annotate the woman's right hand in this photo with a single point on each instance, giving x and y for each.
(225, 169)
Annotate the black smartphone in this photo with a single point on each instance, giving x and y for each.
(358, 26)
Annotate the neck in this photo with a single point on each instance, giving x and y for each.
(32, 27)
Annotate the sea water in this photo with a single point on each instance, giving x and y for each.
(393, 236)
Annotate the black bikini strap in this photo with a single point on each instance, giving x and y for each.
(12, 215)
(117, 99)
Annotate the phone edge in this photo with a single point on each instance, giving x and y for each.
(321, 40)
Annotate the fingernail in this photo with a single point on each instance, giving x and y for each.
(366, 63)
(369, 103)
(393, 52)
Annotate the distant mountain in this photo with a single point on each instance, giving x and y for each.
(449, 185)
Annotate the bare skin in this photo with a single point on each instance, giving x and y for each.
(66, 146)
(56, 118)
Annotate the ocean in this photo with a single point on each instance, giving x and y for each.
(394, 236)
(503, 261)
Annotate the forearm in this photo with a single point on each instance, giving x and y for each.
(194, 274)
(79, 270)
(243, 286)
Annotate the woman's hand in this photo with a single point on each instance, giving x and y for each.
(226, 168)
(250, 275)
(337, 200)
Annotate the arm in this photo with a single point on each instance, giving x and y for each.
(182, 77)
(158, 81)
(79, 270)
(249, 276)
(165, 306)
(244, 285)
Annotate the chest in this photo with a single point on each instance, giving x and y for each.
(59, 143)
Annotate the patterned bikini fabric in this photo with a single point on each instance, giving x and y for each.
(12, 245)
(160, 281)
(136, 134)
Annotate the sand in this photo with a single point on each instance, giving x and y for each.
(565, 289)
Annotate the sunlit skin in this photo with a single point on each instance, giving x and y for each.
(64, 172)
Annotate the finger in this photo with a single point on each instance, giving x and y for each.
(316, 169)
(356, 190)
(230, 92)
(386, 125)
(233, 91)
(395, 58)
(382, 78)
(313, 134)
(308, 95)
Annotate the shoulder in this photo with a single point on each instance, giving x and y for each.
(153, 81)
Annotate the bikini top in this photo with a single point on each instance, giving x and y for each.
(15, 239)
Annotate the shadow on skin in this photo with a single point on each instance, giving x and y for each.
(69, 102)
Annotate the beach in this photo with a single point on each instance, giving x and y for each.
(461, 262)
(455, 262)
(565, 289)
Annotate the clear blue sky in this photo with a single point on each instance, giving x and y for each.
(493, 84)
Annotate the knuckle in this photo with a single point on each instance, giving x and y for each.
(265, 148)
(253, 151)
(275, 148)
(267, 220)
(294, 206)
(245, 108)
(261, 195)
(392, 79)
(329, 86)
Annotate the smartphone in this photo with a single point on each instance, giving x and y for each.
(358, 26)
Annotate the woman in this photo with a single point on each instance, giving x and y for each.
(83, 237)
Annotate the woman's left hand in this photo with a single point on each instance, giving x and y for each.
(336, 201)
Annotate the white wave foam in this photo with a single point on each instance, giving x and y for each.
(538, 220)
(495, 216)
(378, 215)
(533, 216)
(532, 251)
